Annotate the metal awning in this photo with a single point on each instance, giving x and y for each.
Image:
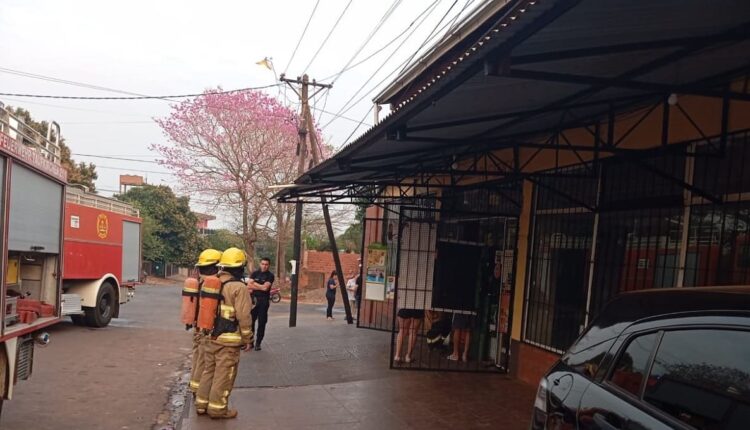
(539, 66)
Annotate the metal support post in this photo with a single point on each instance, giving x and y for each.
(306, 131)
(297, 264)
(337, 263)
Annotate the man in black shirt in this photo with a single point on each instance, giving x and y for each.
(260, 284)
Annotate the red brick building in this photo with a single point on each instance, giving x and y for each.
(318, 265)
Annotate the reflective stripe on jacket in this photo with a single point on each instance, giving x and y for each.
(236, 306)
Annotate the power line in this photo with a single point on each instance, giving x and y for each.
(432, 36)
(369, 57)
(323, 110)
(445, 36)
(139, 97)
(108, 122)
(320, 48)
(429, 36)
(453, 25)
(359, 125)
(65, 81)
(134, 170)
(112, 157)
(74, 108)
(369, 37)
(421, 18)
(384, 47)
(136, 97)
(151, 121)
(130, 155)
(302, 36)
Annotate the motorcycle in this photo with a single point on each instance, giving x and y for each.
(275, 294)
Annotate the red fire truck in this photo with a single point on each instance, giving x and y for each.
(102, 256)
(47, 229)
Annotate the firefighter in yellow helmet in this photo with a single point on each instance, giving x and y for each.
(207, 266)
(231, 333)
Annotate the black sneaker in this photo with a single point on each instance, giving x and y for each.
(257, 347)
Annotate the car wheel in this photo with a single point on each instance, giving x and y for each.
(101, 314)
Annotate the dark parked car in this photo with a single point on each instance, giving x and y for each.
(656, 359)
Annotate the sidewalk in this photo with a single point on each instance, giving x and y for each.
(329, 375)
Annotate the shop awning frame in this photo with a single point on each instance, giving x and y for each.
(411, 150)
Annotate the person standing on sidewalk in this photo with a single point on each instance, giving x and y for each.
(260, 285)
(358, 292)
(207, 266)
(351, 289)
(232, 332)
(331, 286)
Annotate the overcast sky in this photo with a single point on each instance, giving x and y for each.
(182, 47)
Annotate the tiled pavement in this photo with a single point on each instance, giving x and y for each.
(329, 375)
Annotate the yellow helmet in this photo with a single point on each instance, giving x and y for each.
(208, 257)
(233, 257)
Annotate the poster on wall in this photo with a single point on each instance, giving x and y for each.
(390, 287)
(375, 273)
(506, 291)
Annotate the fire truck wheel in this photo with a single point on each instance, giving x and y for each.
(101, 314)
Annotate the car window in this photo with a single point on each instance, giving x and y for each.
(702, 377)
(632, 364)
(586, 362)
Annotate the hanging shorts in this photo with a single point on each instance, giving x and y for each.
(463, 321)
(411, 313)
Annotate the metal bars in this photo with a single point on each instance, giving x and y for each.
(556, 299)
(373, 314)
(718, 248)
(453, 266)
(648, 235)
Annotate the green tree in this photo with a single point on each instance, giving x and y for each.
(317, 241)
(222, 239)
(170, 232)
(78, 172)
(351, 238)
(349, 241)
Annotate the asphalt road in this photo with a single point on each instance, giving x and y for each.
(120, 376)
(116, 377)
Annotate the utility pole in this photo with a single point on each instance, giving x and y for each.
(307, 134)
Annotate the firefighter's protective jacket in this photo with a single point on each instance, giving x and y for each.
(235, 306)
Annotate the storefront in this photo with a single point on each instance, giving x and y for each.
(558, 154)
(449, 261)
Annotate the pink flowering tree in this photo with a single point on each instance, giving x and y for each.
(230, 148)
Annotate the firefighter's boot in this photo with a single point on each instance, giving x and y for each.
(225, 414)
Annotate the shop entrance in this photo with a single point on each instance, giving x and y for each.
(453, 288)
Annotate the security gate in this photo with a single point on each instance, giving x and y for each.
(453, 283)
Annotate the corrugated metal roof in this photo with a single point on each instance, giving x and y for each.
(620, 46)
(463, 32)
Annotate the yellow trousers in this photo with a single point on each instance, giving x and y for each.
(197, 370)
(219, 371)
